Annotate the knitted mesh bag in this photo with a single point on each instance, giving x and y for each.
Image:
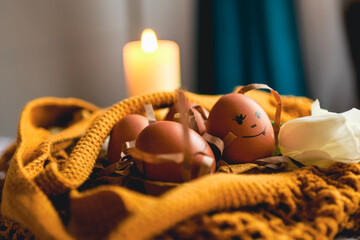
(59, 143)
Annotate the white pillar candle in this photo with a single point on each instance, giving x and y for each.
(151, 65)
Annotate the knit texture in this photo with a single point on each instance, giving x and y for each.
(58, 145)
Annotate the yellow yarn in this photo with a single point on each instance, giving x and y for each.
(41, 187)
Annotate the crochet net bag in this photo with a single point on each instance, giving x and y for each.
(59, 145)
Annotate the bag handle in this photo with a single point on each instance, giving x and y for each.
(78, 167)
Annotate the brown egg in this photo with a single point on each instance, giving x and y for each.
(127, 129)
(167, 137)
(245, 118)
(198, 117)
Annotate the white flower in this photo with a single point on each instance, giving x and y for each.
(322, 138)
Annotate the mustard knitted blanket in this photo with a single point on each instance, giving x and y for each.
(59, 143)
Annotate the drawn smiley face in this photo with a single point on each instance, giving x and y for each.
(247, 120)
(240, 119)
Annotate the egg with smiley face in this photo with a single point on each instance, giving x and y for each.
(247, 120)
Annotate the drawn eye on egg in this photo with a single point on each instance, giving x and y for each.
(239, 118)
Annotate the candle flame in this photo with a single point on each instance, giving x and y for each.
(148, 40)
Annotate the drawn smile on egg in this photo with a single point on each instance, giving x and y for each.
(262, 133)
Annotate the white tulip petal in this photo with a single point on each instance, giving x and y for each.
(323, 138)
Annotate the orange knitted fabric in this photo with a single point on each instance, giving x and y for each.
(59, 141)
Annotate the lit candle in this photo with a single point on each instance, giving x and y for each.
(151, 65)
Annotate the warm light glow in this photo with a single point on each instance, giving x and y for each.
(148, 40)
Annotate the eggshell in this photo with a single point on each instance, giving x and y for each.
(198, 118)
(167, 137)
(127, 129)
(244, 117)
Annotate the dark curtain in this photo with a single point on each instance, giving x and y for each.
(248, 41)
(352, 18)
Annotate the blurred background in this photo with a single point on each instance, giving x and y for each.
(74, 48)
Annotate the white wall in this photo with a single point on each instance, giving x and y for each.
(328, 68)
(73, 48)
